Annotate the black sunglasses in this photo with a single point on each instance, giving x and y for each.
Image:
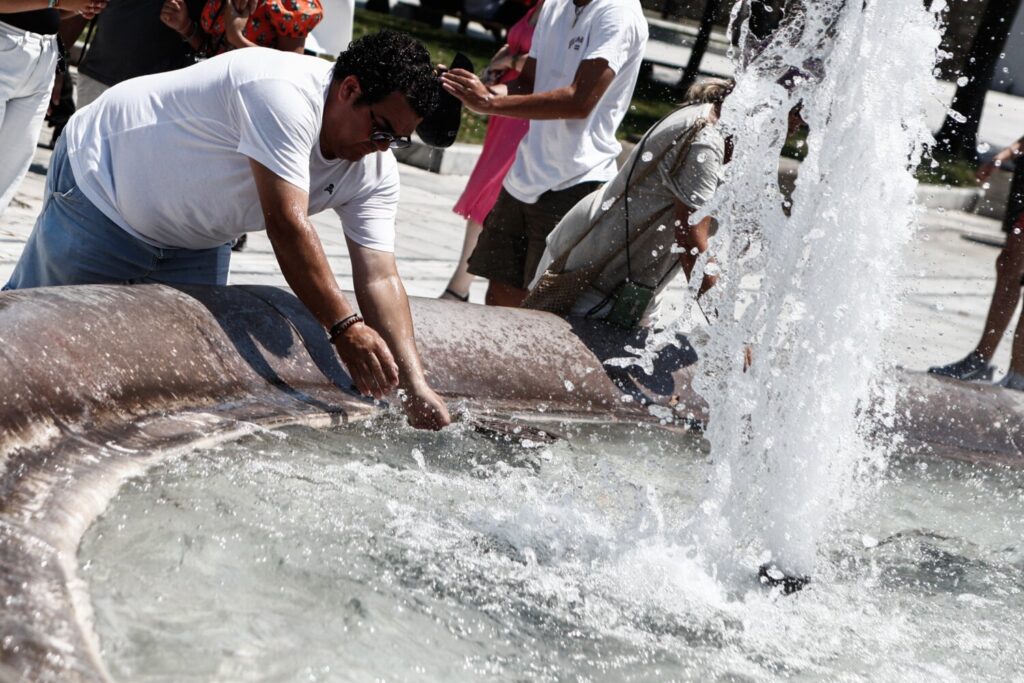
(379, 135)
(394, 141)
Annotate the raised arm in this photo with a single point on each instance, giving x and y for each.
(87, 8)
(574, 101)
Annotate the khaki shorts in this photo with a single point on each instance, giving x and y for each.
(513, 240)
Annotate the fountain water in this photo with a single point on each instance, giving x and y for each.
(812, 292)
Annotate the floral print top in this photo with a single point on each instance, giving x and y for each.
(272, 18)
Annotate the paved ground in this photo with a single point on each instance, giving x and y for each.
(948, 278)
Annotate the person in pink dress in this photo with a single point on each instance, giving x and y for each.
(499, 151)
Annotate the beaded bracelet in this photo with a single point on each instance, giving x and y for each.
(339, 327)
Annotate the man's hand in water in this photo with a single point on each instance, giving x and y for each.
(425, 409)
(367, 358)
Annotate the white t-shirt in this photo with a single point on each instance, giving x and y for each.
(561, 153)
(166, 157)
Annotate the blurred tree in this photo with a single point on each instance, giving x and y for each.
(763, 17)
(700, 44)
(959, 133)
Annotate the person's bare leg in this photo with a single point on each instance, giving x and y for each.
(1009, 269)
(1014, 378)
(501, 294)
(1017, 352)
(462, 278)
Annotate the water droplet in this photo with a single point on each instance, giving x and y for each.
(607, 204)
(983, 147)
(712, 269)
(569, 386)
(962, 81)
(1016, 231)
(661, 227)
(417, 455)
(702, 157)
(654, 252)
(646, 156)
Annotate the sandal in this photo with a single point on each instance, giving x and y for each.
(464, 298)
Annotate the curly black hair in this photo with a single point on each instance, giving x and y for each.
(387, 61)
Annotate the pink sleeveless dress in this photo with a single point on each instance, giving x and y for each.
(500, 143)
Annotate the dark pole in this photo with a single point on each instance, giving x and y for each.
(700, 45)
(961, 137)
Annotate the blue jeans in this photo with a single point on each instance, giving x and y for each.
(74, 243)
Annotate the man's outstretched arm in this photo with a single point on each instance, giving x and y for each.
(305, 268)
(365, 353)
(385, 305)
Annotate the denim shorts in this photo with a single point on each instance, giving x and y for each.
(74, 243)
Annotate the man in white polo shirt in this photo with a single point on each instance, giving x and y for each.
(575, 88)
(153, 181)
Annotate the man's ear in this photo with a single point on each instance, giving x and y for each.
(349, 89)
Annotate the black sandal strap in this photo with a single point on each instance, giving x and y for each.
(461, 297)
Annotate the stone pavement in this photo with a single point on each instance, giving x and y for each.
(947, 280)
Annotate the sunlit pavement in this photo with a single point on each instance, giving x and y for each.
(947, 279)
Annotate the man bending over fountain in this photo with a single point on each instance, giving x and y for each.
(154, 180)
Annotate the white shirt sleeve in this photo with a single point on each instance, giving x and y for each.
(368, 219)
(613, 36)
(278, 127)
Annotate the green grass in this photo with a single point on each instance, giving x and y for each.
(650, 102)
(947, 170)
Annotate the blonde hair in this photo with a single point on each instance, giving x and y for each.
(709, 91)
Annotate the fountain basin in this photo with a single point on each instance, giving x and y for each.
(100, 383)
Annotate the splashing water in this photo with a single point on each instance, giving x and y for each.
(788, 433)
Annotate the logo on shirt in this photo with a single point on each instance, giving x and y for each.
(329, 189)
(576, 43)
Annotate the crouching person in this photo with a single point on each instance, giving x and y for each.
(614, 253)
